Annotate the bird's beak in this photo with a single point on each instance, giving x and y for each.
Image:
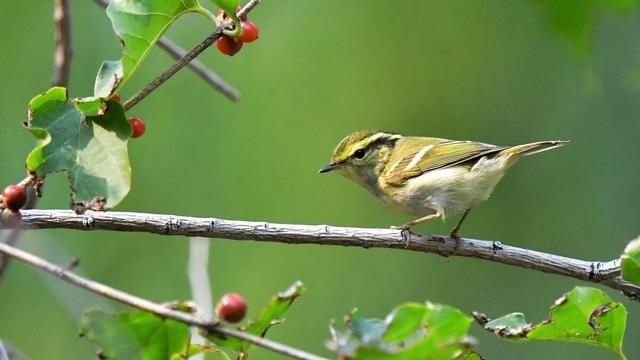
(329, 167)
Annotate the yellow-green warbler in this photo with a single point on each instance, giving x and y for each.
(426, 176)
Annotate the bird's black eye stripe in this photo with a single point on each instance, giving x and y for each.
(360, 153)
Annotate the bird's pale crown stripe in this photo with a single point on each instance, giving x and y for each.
(373, 138)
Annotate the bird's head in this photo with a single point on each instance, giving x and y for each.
(362, 155)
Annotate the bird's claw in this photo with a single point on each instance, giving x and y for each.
(405, 231)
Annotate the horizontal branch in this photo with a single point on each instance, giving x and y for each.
(606, 273)
(152, 307)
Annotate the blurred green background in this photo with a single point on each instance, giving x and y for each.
(503, 72)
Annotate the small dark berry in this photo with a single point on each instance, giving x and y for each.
(138, 127)
(10, 218)
(229, 46)
(14, 197)
(250, 32)
(231, 308)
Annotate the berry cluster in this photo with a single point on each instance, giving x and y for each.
(231, 45)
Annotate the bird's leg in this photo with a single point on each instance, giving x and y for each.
(407, 227)
(454, 232)
(415, 222)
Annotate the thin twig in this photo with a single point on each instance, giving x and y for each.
(60, 77)
(183, 61)
(199, 68)
(150, 306)
(606, 273)
(62, 61)
(11, 236)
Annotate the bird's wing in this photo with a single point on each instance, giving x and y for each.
(435, 155)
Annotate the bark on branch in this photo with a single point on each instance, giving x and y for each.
(603, 272)
(62, 60)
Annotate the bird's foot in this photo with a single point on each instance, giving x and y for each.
(405, 231)
(497, 245)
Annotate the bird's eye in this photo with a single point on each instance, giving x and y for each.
(359, 154)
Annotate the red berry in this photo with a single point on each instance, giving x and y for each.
(115, 97)
(138, 127)
(14, 197)
(231, 308)
(229, 46)
(10, 218)
(250, 32)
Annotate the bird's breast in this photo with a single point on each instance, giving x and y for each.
(433, 190)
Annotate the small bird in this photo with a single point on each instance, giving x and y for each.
(426, 176)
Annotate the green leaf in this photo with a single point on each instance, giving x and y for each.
(472, 355)
(108, 79)
(135, 335)
(410, 331)
(510, 325)
(92, 150)
(270, 315)
(273, 312)
(138, 25)
(404, 321)
(90, 105)
(195, 349)
(584, 315)
(630, 262)
(229, 6)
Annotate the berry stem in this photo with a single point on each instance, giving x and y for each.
(237, 29)
(197, 50)
(29, 180)
(208, 14)
(199, 68)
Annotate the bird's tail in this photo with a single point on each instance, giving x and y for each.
(533, 148)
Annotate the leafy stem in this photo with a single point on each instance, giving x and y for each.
(211, 16)
(237, 27)
(183, 61)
